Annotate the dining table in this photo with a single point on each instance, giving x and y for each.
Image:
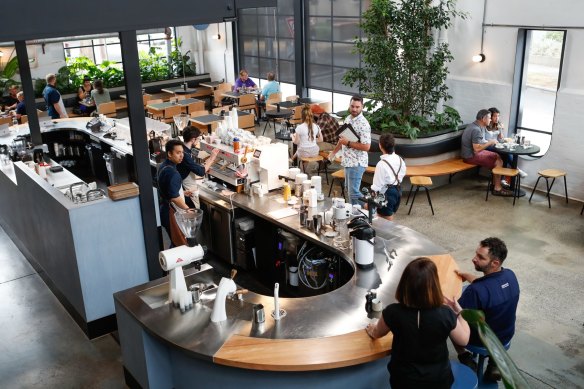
(207, 120)
(211, 84)
(184, 103)
(275, 114)
(516, 150)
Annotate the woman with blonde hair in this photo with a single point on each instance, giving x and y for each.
(306, 135)
(421, 322)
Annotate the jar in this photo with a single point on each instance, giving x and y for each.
(236, 145)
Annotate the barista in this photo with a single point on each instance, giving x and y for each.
(188, 169)
(170, 183)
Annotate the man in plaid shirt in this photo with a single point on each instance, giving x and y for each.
(328, 125)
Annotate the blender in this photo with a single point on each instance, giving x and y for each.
(173, 260)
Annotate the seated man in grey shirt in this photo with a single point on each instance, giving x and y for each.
(473, 149)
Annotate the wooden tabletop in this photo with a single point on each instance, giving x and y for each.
(349, 349)
(211, 84)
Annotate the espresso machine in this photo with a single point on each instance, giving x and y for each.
(173, 260)
(268, 163)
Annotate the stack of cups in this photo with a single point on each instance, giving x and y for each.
(317, 183)
(292, 172)
(299, 179)
(306, 184)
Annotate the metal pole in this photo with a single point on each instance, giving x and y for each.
(28, 90)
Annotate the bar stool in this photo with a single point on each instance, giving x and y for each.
(340, 175)
(503, 171)
(547, 174)
(482, 354)
(464, 377)
(417, 182)
(319, 160)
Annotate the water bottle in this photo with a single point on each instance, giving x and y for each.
(14, 121)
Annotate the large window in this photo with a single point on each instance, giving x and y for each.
(331, 30)
(542, 54)
(266, 41)
(109, 49)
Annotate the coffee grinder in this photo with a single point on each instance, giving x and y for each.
(173, 260)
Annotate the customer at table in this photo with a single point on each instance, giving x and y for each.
(328, 125)
(20, 107)
(11, 101)
(496, 293)
(270, 88)
(243, 81)
(306, 136)
(55, 106)
(99, 94)
(421, 321)
(474, 149)
(495, 130)
(170, 184)
(389, 174)
(188, 169)
(84, 96)
(355, 158)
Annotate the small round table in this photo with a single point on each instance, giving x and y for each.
(518, 150)
(274, 114)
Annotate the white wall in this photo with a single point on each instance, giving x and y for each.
(474, 86)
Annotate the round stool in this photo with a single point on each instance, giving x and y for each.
(482, 353)
(417, 182)
(503, 171)
(464, 377)
(547, 174)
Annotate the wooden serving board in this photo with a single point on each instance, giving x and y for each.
(123, 191)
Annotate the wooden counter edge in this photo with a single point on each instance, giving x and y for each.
(302, 354)
(322, 353)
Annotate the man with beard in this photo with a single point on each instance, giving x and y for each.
(496, 293)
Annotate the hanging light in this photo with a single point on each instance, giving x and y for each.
(478, 58)
(217, 36)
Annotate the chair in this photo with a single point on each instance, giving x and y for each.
(327, 106)
(6, 120)
(225, 109)
(418, 182)
(247, 102)
(509, 173)
(224, 87)
(218, 98)
(146, 99)
(196, 106)
(247, 122)
(170, 112)
(319, 160)
(296, 117)
(547, 174)
(107, 109)
(274, 98)
(338, 175)
(482, 353)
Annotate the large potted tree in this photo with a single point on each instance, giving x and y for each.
(404, 67)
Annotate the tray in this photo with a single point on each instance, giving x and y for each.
(123, 191)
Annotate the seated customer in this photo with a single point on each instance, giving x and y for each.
(389, 173)
(11, 101)
(306, 135)
(495, 130)
(496, 293)
(243, 81)
(100, 94)
(271, 87)
(474, 149)
(84, 95)
(20, 107)
(421, 321)
(328, 126)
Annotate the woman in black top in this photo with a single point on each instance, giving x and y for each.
(421, 323)
(84, 94)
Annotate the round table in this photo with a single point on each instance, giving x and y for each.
(274, 114)
(517, 150)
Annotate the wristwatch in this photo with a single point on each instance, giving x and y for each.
(349, 143)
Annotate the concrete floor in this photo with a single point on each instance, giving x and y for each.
(42, 347)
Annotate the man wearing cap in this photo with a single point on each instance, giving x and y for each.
(328, 126)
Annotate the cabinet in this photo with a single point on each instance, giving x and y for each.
(218, 228)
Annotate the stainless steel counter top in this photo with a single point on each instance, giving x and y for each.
(336, 313)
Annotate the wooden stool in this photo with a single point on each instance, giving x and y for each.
(340, 175)
(482, 354)
(419, 181)
(503, 171)
(318, 159)
(547, 174)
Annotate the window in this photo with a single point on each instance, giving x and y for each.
(331, 30)
(266, 41)
(109, 49)
(541, 53)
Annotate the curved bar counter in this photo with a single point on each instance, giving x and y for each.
(320, 343)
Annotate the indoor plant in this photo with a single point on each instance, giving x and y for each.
(404, 66)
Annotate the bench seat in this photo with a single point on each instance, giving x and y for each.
(448, 166)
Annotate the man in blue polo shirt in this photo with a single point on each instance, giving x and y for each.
(496, 293)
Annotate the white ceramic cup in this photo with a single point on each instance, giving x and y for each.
(376, 305)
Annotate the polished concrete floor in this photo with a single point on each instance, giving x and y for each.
(42, 347)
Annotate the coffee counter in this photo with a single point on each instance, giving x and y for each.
(320, 343)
